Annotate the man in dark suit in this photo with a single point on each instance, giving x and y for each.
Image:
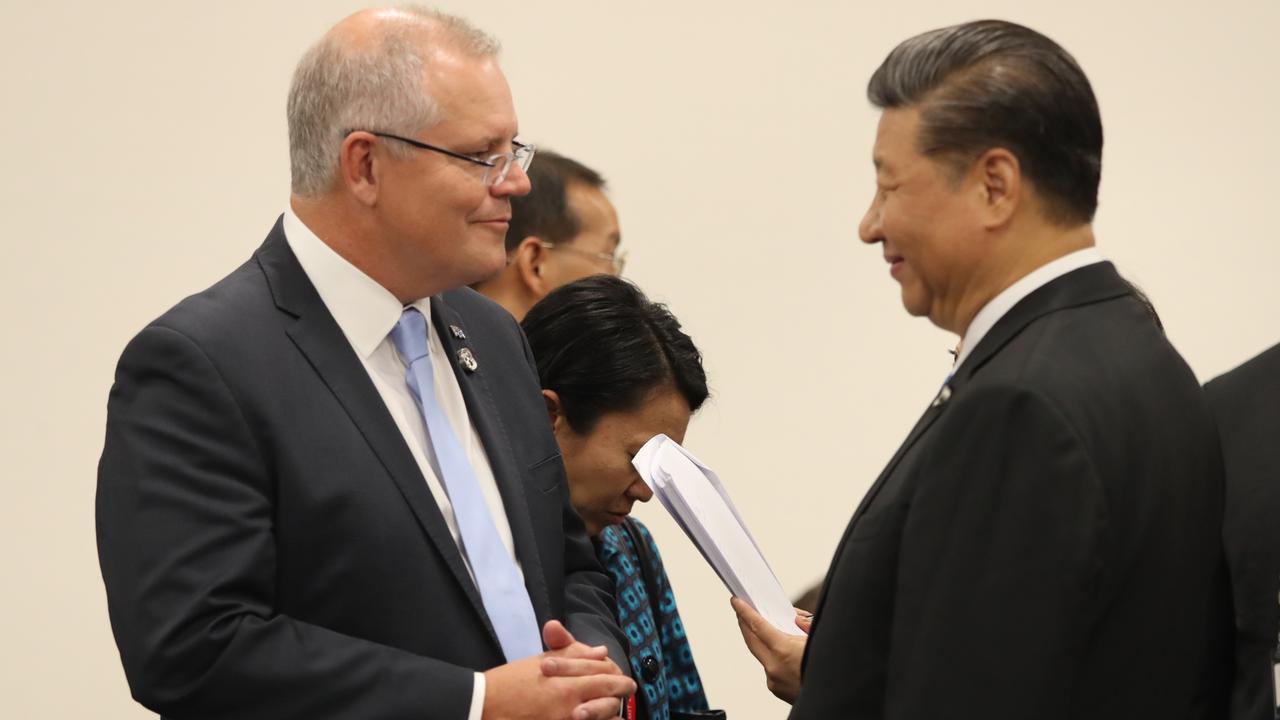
(1246, 407)
(328, 487)
(1044, 544)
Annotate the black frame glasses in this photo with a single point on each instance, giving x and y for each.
(520, 154)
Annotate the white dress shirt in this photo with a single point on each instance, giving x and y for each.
(366, 312)
(1001, 304)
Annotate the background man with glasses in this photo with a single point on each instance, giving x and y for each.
(565, 229)
(328, 487)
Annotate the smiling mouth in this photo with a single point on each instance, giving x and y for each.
(896, 263)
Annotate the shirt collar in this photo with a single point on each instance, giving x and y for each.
(1001, 304)
(363, 309)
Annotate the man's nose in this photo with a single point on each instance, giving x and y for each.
(869, 230)
(515, 184)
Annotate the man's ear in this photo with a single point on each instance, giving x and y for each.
(555, 411)
(1000, 186)
(530, 259)
(359, 168)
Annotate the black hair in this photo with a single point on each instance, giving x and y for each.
(603, 346)
(992, 83)
(544, 212)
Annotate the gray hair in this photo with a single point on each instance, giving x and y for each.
(337, 88)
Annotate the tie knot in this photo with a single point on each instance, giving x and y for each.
(410, 335)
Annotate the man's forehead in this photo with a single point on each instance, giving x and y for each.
(474, 98)
(895, 136)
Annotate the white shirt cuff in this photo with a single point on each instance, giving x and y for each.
(477, 698)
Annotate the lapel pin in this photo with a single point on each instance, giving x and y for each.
(943, 396)
(467, 360)
(457, 332)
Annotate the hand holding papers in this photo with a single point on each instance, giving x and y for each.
(693, 495)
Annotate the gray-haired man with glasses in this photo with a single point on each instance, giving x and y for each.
(328, 487)
(565, 229)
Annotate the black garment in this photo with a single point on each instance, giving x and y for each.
(270, 547)
(1246, 407)
(1045, 544)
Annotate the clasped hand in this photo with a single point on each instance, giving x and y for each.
(570, 681)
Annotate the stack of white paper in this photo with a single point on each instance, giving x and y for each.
(693, 495)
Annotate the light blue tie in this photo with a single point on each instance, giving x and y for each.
(501, 590)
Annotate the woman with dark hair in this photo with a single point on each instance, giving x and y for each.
(616, 370)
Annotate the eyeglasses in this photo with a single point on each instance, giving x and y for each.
(495, 167)
(616, 260)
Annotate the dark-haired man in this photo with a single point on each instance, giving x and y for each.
(1045, 543)
(565, 229)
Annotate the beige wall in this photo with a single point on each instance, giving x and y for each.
(144, 156)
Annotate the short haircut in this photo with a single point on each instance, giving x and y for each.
(544, 212)
(992, 83)
(603, 347)
(337, 89)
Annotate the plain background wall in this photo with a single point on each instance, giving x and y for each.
(144, 156)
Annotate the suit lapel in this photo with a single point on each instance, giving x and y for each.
(318, 337)
(1092, 283)
(932, 413)
(483, 411)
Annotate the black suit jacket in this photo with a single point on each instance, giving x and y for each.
(269, 546)
(1246, 406)
(1045, 543)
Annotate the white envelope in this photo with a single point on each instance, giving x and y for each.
(694, 496)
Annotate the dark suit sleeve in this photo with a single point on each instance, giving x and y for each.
(998, 565)
(185, 510)
(590, 609)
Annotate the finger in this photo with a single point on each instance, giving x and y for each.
(556, 636)
(804, 622)
(756, 622)
(581, 650)
(573, 667)
(598, 709)
(755, 645)
(745, 611)
(604, 686)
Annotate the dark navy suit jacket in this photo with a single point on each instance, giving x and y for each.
(269, 546)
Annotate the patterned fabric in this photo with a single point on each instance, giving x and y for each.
(653, 628)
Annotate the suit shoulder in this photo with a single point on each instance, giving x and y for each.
(229, 309)
(479, 311)
(1106, 348)
(1257, 377)
(475, 305)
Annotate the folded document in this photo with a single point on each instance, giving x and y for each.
(693, 495)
